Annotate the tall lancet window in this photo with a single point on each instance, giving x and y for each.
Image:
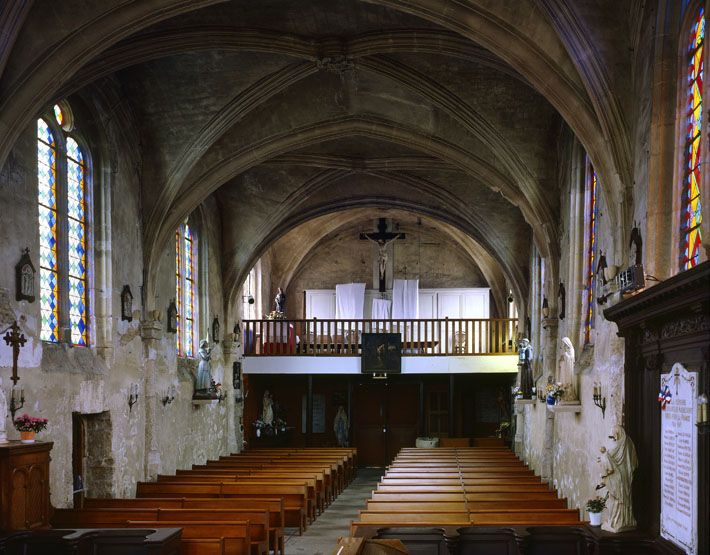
(691, 214)
(590, 253)
(185, 290)
(62, 176)
(47, 201)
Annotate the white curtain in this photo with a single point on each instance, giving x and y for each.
(381, 309)
(349, 301)
(405, 299)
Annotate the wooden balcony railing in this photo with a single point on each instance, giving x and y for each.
(422, 337)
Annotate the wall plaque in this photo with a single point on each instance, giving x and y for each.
(679, 459)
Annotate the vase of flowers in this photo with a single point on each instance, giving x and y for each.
(28, 426)
(594, 507)
(553, 392)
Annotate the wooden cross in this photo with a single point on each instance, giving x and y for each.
(16, 339)
(382, 237)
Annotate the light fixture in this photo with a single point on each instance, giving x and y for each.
(132, 396)
(545, 308)
(703, 423)
(598, 399)
(169, 395)
(17, 400)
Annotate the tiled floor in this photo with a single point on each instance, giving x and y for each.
(320, 538)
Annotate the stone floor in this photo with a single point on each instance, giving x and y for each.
(320, 538)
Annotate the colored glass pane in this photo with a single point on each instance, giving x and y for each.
(591, 259)
(178, 291)
(691, 216)
(76, 210)
(47, 211)
(189, 307)
(58, 114)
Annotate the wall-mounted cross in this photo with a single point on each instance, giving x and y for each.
(16, 340)
(382, 237)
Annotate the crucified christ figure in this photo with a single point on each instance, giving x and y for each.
(382, 238)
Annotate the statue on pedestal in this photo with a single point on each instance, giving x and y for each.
(203, 380)
(280, 301)
(525, 354)
(618, 465)
(566, 375)
(341, 427)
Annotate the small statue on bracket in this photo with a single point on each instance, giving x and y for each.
(525, 354)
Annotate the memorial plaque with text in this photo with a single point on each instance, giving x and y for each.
(679, 460)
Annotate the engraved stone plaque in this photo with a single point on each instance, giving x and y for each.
(679, 459)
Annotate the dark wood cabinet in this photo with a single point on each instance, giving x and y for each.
(24, 485)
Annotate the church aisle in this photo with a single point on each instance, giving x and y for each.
(321, 537)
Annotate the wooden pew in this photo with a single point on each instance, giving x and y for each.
(295, 496)
(274, 506)
(201, 538)
(257, 520)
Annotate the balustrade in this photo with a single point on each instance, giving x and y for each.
(420, 337)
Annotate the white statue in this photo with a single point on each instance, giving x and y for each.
(3, 415)
(203, 380)
(618, 465)
(566, 374)
(267, 411)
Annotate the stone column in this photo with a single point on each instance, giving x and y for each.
(231, 352)
(151, 333)
(519, 441)
(549, 360)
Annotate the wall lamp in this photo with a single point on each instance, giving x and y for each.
(132, 396)
(703, 423)
(17, 400)
(169, 395)
(598, 399)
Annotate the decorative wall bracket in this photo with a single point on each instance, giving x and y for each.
(17, 400)
(599, 401)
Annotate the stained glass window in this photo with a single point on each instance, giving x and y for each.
(47, 201)
(590, 282)
(691, 216)
(62, 211)
(185, 289)
(76, 212)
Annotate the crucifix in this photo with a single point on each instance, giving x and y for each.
(382, 238)
(16, 339)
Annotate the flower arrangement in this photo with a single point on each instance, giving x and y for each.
(503, 430)
(596, 504)
(517, 393)
(27, 423)
(554, 390)
(275, 315)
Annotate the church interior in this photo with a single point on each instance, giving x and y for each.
(442, 264)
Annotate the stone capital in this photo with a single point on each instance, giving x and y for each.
(230, 349)
(550, 323)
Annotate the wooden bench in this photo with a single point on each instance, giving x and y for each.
(202, 538)
(257, 520)
(274, 506)
(295, 497)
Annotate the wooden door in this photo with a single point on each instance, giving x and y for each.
(369, 424)
(402, 417)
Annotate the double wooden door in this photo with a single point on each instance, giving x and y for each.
(386, 417)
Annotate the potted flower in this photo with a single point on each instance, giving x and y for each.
(28, 426)
(594, 507)
(517, 393)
